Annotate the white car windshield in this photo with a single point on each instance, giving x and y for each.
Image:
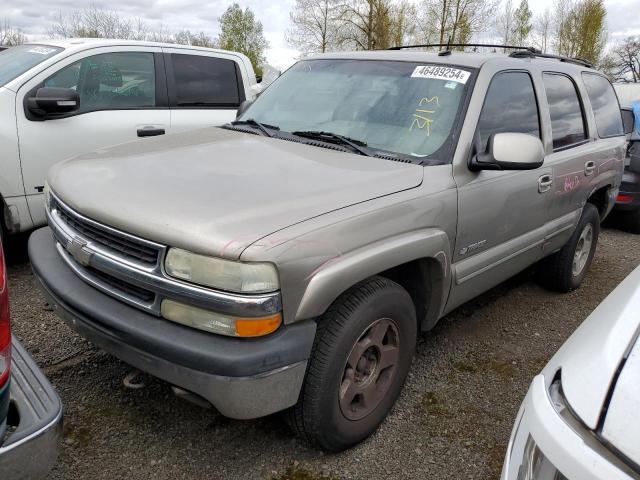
(402, 107)
(14, 61)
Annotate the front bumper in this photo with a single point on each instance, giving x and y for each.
(30, 451)
(572, 449)
(242, 378)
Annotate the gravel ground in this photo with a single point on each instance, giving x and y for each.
(452, 421)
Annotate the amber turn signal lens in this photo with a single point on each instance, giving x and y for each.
(256, 327)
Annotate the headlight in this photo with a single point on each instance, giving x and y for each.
(535, 466)
(222, 274)
(218, 323)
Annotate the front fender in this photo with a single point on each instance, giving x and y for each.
(346, 270)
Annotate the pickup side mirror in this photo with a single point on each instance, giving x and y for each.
(628, 120)
(243, 107)
(51, 102)
(510, 151)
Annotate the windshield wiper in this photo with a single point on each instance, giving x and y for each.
(263, 127)
(357, 145)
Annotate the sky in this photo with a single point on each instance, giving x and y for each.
(34, 17)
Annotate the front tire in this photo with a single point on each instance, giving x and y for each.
(360, 359)
(564, 271)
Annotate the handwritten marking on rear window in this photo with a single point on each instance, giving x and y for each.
(421, 119)
(437, 72)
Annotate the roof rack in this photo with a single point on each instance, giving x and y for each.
(520, 51)
(530, 54)
(474, 45)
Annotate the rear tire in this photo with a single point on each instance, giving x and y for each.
(361, 356)
(564, 271)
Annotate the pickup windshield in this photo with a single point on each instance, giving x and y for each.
(15, 61)
(395, 106)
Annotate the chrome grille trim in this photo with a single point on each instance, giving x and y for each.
(148, 277)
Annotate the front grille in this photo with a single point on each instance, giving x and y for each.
(125, 287)
(123, 246)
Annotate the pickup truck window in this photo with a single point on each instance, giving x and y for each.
(605, 105)
(202, 81)
(509, 106)
(401, 107)
(110, 81)
(17, 60)
(565, 108)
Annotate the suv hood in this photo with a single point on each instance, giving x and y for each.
(216, 191)
(603, 356)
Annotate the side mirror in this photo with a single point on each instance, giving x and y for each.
(51, 102)
(510, 151)
(243, 107)
(628, 120)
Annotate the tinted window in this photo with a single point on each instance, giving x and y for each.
(510, 106)
(15, 61)
(605, 105)
(205, 81)
(110, 81)
(567, 119)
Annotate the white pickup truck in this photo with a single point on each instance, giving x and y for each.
(62, 98)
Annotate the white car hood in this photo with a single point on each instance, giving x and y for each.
(589, 362)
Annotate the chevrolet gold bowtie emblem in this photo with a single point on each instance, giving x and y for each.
(76, 249)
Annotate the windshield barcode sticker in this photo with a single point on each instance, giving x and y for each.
(42, 50)
(438, 72)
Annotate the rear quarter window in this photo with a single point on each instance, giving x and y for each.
(605, 105)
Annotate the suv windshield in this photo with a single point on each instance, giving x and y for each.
(396, 106)
(15, 61)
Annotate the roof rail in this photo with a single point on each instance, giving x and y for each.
(474, 45)
(577, 61)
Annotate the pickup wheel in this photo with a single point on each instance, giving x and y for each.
(565, 270)
(361, 356)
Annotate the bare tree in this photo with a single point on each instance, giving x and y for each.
(543, 27)
(10, 36)
(505, 22)
(456, 20)
(314, 25)
(404, 28)
(365, 24)
(623, 62)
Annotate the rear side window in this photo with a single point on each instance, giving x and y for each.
(510, 106)
(205, 81)
(567, 118)
(110, 81)
(605, 105)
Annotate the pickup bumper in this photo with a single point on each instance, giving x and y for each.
(35, 411)
(241, 378)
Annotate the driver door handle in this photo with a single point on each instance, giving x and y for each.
(150, 132)
(544, 183)
(589, 168)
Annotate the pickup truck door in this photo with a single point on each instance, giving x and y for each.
(122, 98)
(501, 214)
(205, 88)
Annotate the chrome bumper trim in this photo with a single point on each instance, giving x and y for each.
(151, 278)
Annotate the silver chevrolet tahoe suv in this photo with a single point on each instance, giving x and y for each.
(288, 261)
